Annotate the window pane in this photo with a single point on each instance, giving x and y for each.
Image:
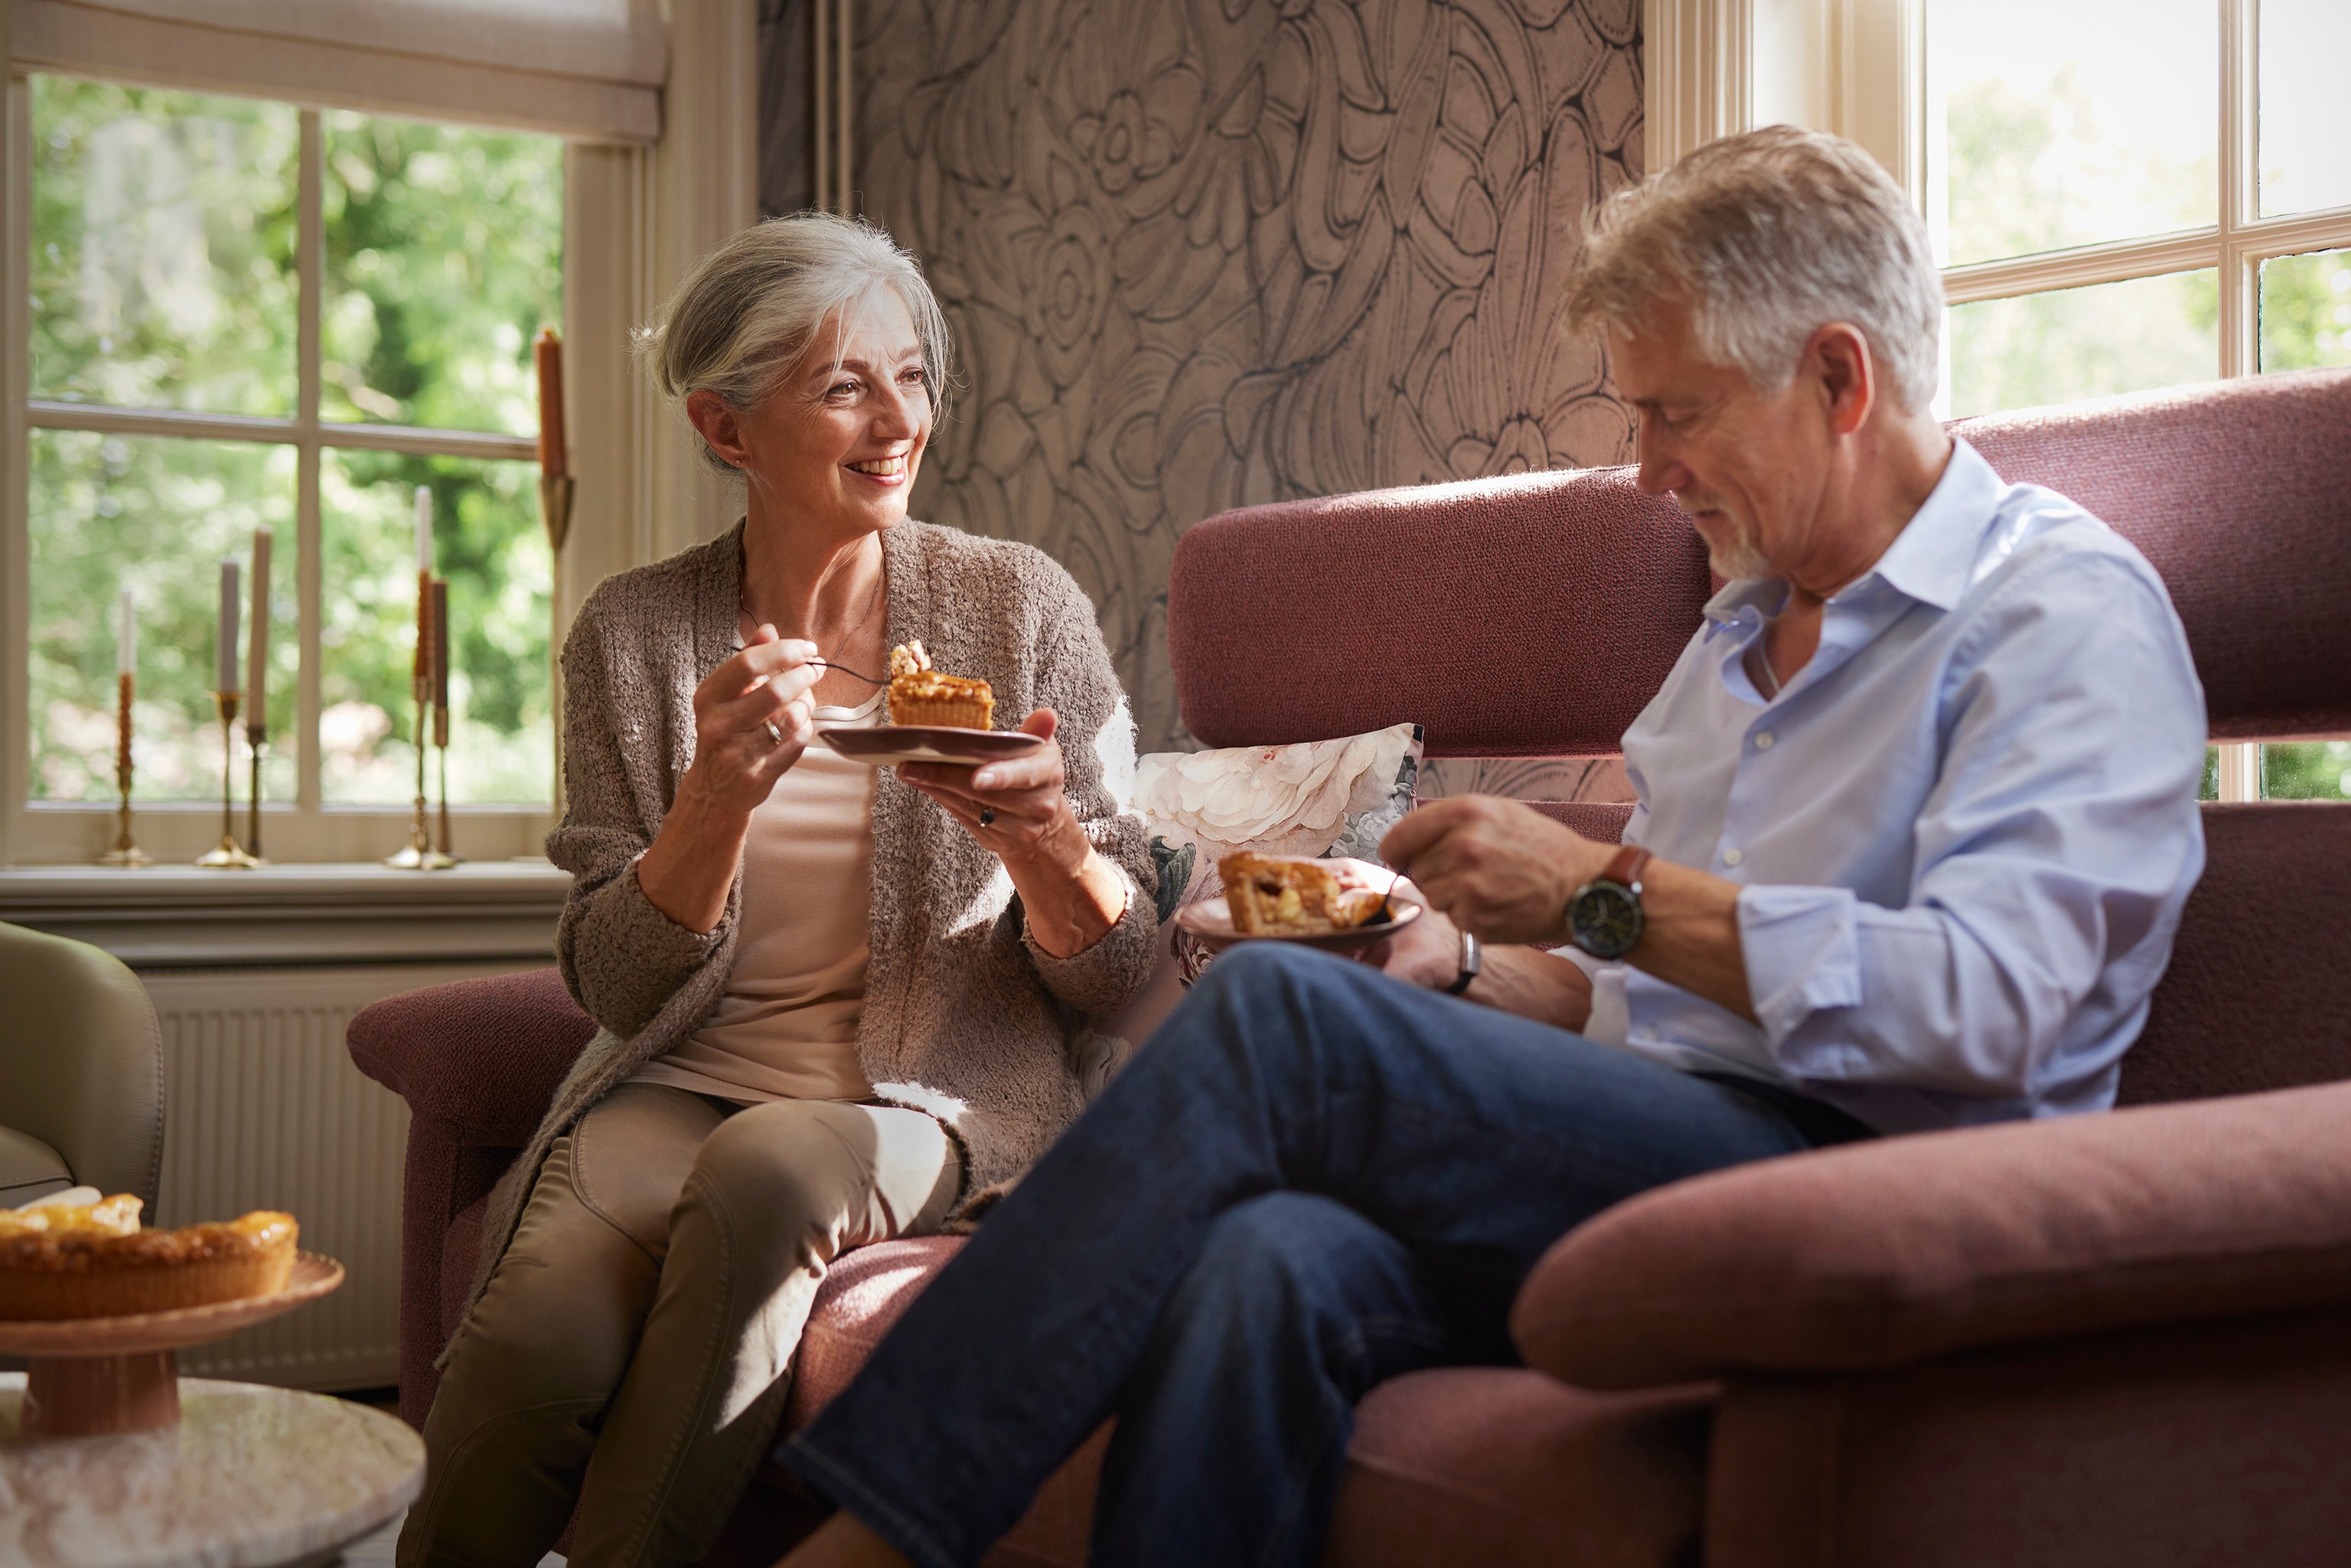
(2084, 342)
(155, 516)
(445, 256)
(2061, 125)
(2312, 771)
(2306, 311)
(489, 545)
(2306, 114)
(162, 268)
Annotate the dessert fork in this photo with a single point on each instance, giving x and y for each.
(844, 669)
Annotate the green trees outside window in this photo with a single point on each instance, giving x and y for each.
(167, 300)
(2108, 132)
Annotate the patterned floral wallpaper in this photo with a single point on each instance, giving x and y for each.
(1206, 253)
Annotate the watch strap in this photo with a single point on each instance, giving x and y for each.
(1625, 867)
(1471, 962)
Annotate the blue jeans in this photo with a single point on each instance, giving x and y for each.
(1311, 1179)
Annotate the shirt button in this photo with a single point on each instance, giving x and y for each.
(1763, 741)
(1731, 857)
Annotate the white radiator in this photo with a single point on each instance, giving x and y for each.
(263, 1109)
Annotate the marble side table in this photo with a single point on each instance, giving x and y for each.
(250, 1477)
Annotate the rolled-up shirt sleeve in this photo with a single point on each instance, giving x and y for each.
(1804, 944)
(2057, 842)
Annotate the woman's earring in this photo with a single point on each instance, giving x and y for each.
(987, 816)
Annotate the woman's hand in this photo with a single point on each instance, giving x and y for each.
(737, 757)
(1014, 808)
(740, 710)
(1017, 812)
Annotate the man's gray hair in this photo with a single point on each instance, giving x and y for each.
(1771, 235)
(755, 305)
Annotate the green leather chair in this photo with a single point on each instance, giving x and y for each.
(81, 1071)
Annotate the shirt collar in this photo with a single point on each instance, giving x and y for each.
(1932, 560)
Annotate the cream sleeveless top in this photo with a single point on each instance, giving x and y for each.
(785, 1027)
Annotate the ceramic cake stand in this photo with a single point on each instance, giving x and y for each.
(91, 1376)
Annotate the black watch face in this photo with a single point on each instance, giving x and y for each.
(1605, 918)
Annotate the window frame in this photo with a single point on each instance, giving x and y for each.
(2234, 246)
(1858, 67)
(308, 828)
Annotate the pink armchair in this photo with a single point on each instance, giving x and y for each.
(2121, 1339)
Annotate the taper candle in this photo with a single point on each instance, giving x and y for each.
(548, 353)
(126, 635)
(256, 664)
(422, 668)
(224, 672)
(441, 649)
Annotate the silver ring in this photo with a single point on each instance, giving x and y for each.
(987, 816)
(773, 733)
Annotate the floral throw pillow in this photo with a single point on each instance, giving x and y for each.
(1315, 797)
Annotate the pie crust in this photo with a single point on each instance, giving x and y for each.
(86, 1265)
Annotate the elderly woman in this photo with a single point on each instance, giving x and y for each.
(836, 1002)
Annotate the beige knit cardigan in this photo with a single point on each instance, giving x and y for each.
(965, 1016)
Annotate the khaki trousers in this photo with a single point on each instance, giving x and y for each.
(631, 1352)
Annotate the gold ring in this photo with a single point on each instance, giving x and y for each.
(773, 733)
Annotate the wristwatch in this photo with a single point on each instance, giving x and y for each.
(1470, 963)
(1604, 917)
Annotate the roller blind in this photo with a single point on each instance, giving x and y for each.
(585, 68)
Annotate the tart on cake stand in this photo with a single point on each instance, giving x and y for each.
(84, 1377)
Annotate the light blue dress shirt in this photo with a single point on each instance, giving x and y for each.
(1963, 831)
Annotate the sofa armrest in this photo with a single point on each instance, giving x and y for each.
(483, 1057)
(1881, 1254)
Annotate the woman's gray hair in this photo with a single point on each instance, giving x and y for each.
(754, 306)
(1771, 235)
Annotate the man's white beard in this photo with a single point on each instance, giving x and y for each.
(1738, 558)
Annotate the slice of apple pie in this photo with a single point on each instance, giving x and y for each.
(1284, 895)
(921, 695)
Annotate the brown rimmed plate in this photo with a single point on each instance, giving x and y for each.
(889, 745)
(1212, 922)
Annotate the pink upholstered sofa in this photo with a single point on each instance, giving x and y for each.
(2125, 1338)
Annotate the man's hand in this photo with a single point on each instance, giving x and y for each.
(1428, 953)
(1503, 870)
(1425, 953)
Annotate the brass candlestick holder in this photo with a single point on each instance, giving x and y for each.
(555, 508)
(555, 491)
(126, 850)
(257, 745)
(229, 855)
(448, 855)
(420, 854)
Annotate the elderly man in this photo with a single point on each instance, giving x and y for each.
(1918, 815)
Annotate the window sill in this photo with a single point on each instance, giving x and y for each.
(175, 916)
(75, 833)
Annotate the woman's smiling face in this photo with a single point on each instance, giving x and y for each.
(839, 445)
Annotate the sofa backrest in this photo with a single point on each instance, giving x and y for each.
(1535, 615)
